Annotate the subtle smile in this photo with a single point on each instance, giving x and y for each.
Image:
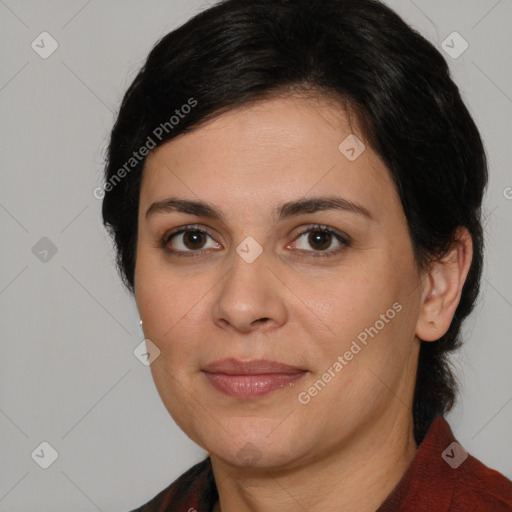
(251, 379)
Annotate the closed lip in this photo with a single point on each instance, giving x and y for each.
(233, 366)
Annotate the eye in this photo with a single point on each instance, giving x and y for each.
(188, 239)
(192, 241)
(321, 238)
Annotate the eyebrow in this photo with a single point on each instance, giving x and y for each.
(284, 211)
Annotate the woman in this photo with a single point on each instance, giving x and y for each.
(296, 205)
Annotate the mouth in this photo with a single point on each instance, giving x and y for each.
(251, 379)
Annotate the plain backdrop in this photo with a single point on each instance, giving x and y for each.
(68, 375)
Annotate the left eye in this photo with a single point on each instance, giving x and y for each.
(321, 239)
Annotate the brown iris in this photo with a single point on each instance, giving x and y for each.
(320, 239)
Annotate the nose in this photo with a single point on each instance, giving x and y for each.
(250, 297)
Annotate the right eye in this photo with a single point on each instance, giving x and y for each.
(188, 239)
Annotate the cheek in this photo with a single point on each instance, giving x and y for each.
(346, 303)
(173, 311)
(155, 293)
(363, 318)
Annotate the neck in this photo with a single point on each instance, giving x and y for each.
(357, 476)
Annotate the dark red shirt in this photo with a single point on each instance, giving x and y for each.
(442, 477)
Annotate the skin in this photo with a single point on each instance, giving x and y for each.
(348, 447)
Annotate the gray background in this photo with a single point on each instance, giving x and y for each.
(68, 375)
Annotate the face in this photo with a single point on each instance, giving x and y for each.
(264, 261)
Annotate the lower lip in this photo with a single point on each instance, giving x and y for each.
(251, 386)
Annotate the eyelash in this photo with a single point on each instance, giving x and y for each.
(343, 239)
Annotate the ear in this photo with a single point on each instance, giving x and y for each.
(442, 288)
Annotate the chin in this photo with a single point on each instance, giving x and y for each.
(252, 447)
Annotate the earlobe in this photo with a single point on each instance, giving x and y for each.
(441, 297)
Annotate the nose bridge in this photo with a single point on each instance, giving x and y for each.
(248, 292)
(247, 277)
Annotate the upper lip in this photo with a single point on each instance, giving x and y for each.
(256, 367)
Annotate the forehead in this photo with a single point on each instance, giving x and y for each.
(269, 152)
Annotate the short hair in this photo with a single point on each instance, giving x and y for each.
(358, 51)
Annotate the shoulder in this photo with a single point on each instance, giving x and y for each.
(474, 485)
(445, 478)
(194, 489)
(479, 487)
